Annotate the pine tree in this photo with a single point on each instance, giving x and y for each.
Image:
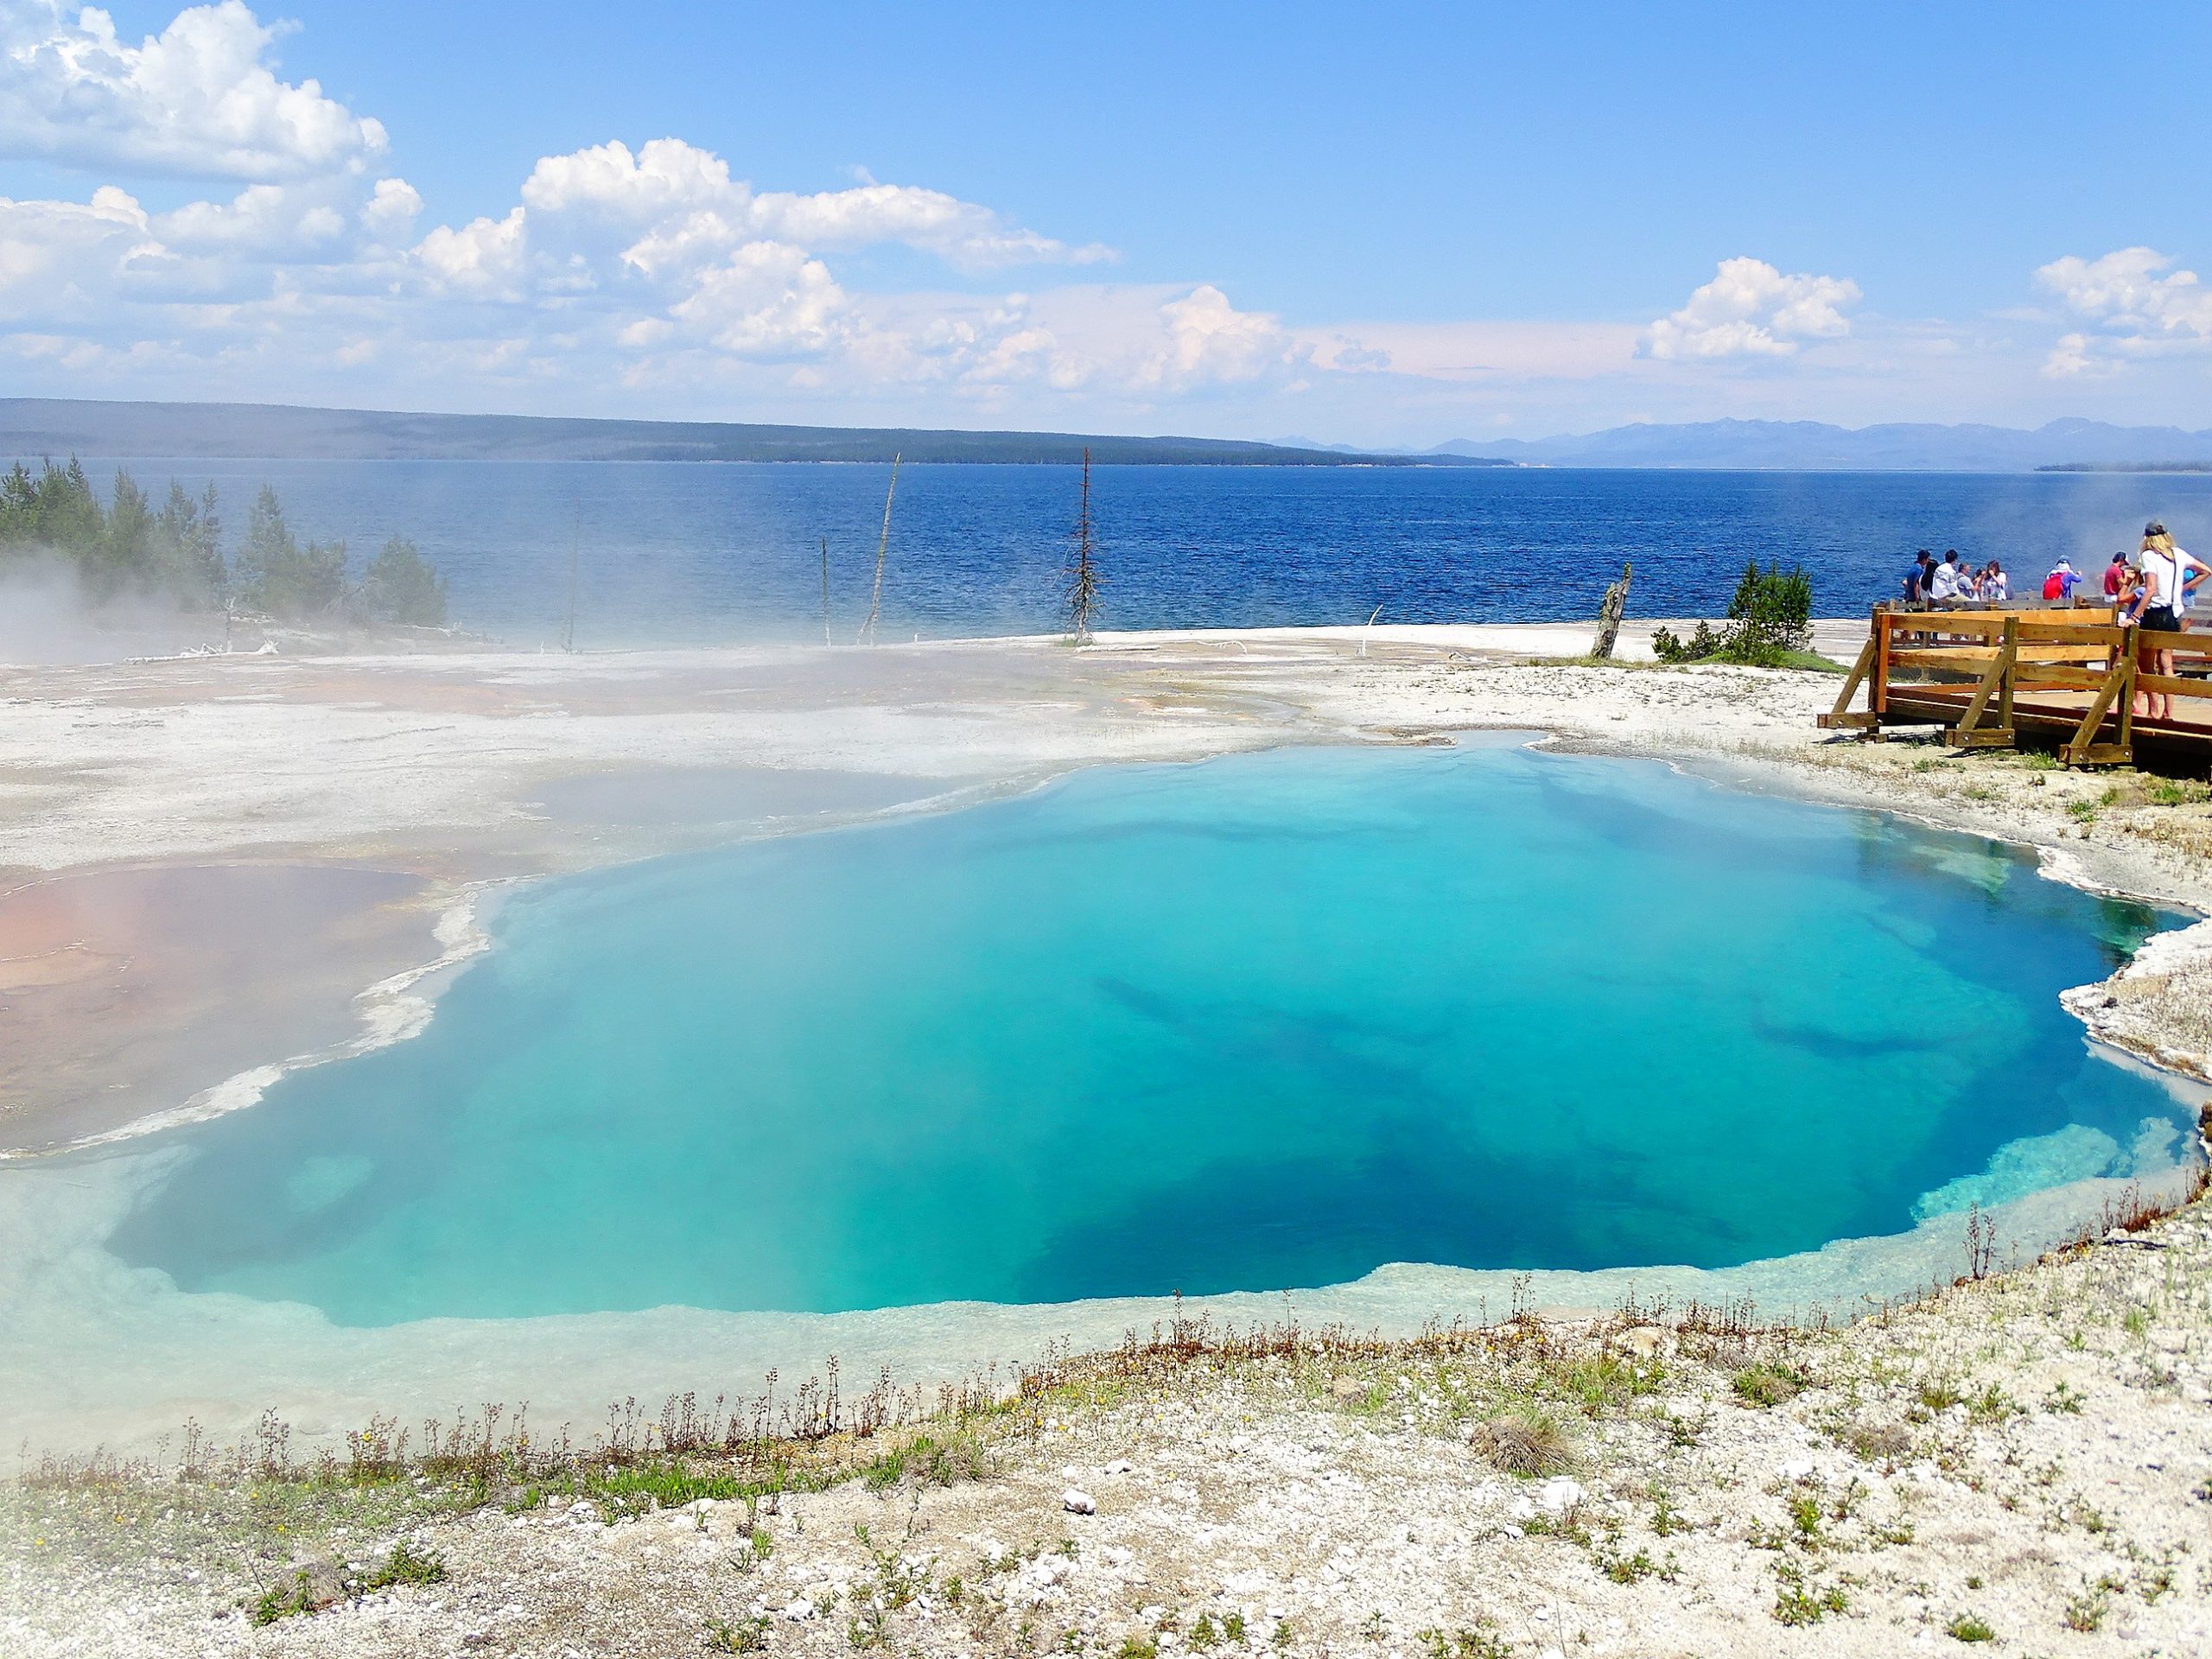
(189, 537)
(276, 576)
(126, 556)
(401, 587)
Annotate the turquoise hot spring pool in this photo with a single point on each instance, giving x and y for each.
(1266, 1022)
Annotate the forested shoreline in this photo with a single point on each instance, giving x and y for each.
(130, 548)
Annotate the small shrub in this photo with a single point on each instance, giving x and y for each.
(310, 1589)
(405, 1565)
(2086, 1612)
(1805, 1516)
(1889, 1443)
(1940, 1393)
(1990, 1404)
(740, 1635)
(1798, 1601)
(1462, 1644)
(295, 1594)
(1703, 644)
(1967, 1628)
(2176, 792)
(924, 1461)
(1628, 1569)
(1764, 1383)
(1602, 1380)
(1525, 1443)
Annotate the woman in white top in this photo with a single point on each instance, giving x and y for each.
(2189, 571)
(2161, 564)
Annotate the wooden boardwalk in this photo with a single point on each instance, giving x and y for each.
(2066, 674)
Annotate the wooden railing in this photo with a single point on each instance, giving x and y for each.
(1985, 674)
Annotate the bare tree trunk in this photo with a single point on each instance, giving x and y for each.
(1609, 617)
(875, 599)
(1083, 572)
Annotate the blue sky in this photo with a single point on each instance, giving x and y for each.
(1374, 225)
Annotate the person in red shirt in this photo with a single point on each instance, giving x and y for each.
(2115, 576)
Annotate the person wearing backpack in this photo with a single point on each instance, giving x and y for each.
(1916, 579)
(2059, 585)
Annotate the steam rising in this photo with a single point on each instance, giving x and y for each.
(46, 619)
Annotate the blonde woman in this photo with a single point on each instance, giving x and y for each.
(2160, 562)
(2189, 571)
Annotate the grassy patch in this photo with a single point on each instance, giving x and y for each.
(308, 1590)
(2086, 1611)
(1462, 1644)
(737, 1636)
(1764, 1383)
(927, 1461)
(1940, 1393)
(1798, 1600)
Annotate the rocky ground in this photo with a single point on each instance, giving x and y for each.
(2023, 1463)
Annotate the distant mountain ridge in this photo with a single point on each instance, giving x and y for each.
(31, 427)
(1815, 446)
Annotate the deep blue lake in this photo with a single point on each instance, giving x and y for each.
(707, 552)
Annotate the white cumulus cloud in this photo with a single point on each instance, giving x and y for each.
(198, 100)
(673, 203)
(2136, 305)
(1751, 310)
(2134, 289)
(1209, 342)
(769, 300)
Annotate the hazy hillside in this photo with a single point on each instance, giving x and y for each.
(31, 427)
(1812, 445)
(36, 426)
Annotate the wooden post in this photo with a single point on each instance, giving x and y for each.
(2119, 682)
(1840, 718)
(1968, 732)
(2128, 698)
(1881, 694)
(2012, 650)
(1609, 616)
